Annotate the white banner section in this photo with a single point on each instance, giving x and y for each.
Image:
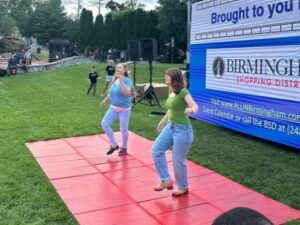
(229, 20)
(261, 71)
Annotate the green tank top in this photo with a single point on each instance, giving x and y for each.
(176, 106)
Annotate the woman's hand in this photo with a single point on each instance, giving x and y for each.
(188, 110)
(103, 103)
(118, 76)
(192, 106)
(160, 126)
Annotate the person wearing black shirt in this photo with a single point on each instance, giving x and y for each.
(110, 72)
(93, 77)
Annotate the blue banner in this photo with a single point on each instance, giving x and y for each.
(247, 78)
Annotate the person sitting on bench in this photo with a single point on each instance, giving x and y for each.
(12, 65)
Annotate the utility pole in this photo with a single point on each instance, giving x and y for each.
(189, 5)
(79, 8)
(99, 12)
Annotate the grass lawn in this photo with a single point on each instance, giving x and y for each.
(42, 56)
(54, 104)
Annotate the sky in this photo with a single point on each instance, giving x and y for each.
(71, 5)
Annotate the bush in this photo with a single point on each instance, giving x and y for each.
(11, 45)
(3, 45)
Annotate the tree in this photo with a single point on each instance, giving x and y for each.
(109, 34)
(21, 11)
(138, 26)
(86, 29)
(134, 4)
(130, 25)
(99, 32)
(150, 25)
(121, 26)
(4, 8)
(7, 25)
(123, 29)
(47, 22)
(114, 6)
(172, 20)
(72, 30)
(29, 28)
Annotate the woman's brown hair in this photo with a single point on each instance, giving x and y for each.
(177, 82)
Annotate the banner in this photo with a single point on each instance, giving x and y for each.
(245, 66)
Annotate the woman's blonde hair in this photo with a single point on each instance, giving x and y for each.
(126, 72)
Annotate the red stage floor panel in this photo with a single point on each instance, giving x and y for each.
(43, 143)
(169, 204)
(58, 166)
(51, 150)
(142, 188)
(94, 179)
(109, 159)
(148, 221)
(131, 173)
(106, 190)
(115, 215)
(93, 151)
(122, 165)
(193, 171)
(214, 192)
(71, 172)
(190, 216)
(89, 197)
(84, 141)
(207, 180)
(59, 158)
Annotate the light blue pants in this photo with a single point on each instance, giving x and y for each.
(110, 116)
(180, 138)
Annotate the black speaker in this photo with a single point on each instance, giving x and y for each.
(149, 49)
(133, 49)
(242, 216)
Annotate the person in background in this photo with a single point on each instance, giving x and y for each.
(120, 97)
(122, 56)
(93, 77)
(175, 131)
(110, 71)
(28, 56)
(23, 64)
(12, 65)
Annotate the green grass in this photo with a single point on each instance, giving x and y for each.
(54, 104)
(42, 56)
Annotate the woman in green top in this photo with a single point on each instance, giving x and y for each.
(176, 132)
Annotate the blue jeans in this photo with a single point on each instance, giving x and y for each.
(180, 138)
(110, 116)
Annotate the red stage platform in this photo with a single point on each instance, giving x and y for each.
(100, 189)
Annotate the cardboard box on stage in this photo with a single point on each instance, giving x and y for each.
(160, 90)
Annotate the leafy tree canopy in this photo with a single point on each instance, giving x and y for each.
(48, 21)
(172, 20)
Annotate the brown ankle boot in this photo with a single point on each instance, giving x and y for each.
(180, 192)
(164, 185)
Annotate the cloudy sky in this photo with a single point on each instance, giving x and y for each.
(71, 5)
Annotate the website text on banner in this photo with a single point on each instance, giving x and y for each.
(245, 66)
